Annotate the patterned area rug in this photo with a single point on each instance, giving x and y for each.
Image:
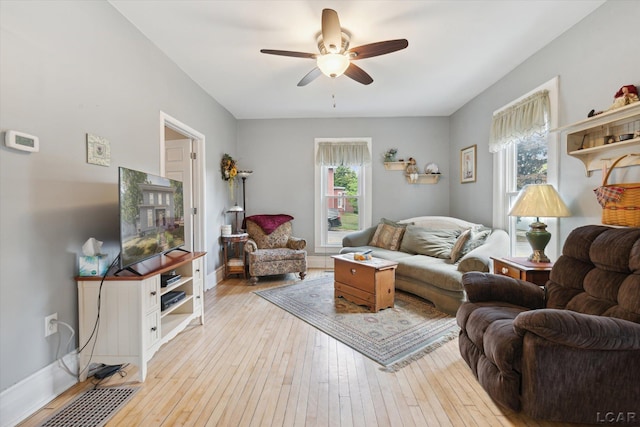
(393, 337)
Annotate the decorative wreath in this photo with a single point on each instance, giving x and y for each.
(228, 167)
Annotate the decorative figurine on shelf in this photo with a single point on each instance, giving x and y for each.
(412, 170)
(626, 95)
(390, 155)
(431, 168)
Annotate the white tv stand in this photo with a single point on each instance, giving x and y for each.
(132, 326)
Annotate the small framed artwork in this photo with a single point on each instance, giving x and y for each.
(98, 150)
(468, 164)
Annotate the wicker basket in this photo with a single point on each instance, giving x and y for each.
(626, 211)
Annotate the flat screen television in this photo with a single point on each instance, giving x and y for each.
(151, 216)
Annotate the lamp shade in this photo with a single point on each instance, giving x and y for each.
(333, 64)
(539, 200)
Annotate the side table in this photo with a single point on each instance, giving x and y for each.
(233, 254)
(521, 268)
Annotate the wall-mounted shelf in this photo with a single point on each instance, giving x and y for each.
(425, 178)
(586, 139)
(395, 166)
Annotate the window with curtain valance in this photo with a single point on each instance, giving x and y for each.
(527, 120)
(337, 153)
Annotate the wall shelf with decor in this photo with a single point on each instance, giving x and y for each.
(425, 178)
(395, 166)
(587, 140)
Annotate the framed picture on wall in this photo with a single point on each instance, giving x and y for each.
(98, 150)
(468, 164)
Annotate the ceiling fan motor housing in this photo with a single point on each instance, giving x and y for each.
(346, 38)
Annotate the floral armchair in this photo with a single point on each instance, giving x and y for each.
(271, 249)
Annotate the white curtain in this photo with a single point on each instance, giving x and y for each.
(525, 120)
(343, 153)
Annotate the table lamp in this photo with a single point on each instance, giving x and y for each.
(235, 209)
(539, 200)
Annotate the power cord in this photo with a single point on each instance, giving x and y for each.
(96, 325)
(61, 358)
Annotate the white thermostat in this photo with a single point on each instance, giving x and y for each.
(22, 141)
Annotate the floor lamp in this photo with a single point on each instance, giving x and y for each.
(244, 175)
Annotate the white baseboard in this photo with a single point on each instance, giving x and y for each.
(313, 261)
(212, 279)
(320, 261)
(29, 395)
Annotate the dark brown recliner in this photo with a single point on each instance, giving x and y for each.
(572, 356)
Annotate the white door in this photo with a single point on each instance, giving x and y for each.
(178, 166)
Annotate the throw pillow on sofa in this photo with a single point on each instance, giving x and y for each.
(458, 246)
(388, 235)
(477, 237)
(478, 258)
(430, 242)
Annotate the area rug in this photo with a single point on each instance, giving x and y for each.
(393, 337)
(93, 408)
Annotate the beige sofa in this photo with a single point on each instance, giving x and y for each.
(435, 278)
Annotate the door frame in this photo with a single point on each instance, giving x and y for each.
(198, 182)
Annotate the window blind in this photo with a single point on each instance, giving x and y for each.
(354, 153)
(527, 119)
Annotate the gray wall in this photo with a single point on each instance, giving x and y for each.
(593, 59)
(280, 152)
(67, 69)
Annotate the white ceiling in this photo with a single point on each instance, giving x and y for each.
(457, 49)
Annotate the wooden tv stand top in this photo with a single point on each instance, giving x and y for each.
(151, 267)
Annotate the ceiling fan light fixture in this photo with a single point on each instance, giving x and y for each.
(333, 64)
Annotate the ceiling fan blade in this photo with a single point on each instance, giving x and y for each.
(376, 49)
(289, 53)
(331, 31)
(311, 76)
(358, 74)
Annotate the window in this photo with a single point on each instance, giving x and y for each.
(523, 158)
(342, 190)
(151, 201)
(530, 161)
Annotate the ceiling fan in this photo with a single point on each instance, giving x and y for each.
(335, 56)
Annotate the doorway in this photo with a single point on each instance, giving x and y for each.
(182, 158)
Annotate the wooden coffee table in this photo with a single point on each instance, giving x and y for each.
(370, 283)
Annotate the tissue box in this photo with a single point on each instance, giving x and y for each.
(93, 265)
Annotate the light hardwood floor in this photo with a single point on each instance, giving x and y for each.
(253, 364)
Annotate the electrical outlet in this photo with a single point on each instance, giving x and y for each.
(50, 327)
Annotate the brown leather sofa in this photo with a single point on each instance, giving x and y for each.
(572, 354)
